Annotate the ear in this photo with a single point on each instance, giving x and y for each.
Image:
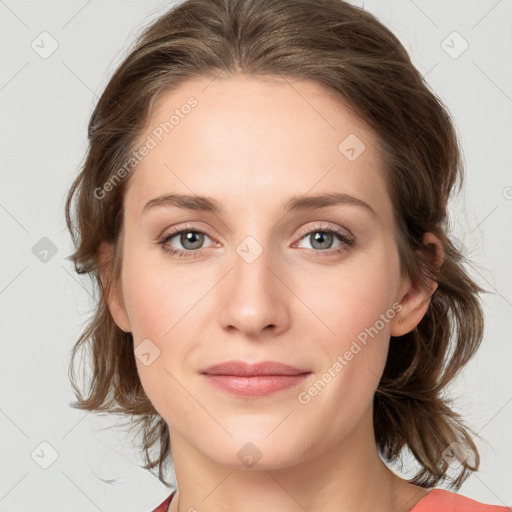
(114, 296)
(414, 299)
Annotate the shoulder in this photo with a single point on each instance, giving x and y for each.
(441, 500)
(164, 506)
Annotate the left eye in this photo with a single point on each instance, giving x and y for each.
(322, 239)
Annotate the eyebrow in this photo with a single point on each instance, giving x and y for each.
(294, 203)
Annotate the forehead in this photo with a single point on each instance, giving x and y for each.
(250, 140)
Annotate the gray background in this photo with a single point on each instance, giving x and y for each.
(45, 106)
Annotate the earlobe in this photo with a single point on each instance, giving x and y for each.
(416, 300)
(113, 294)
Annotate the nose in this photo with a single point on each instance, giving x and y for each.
(254, 299)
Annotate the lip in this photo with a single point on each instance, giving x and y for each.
(243, 369)
(256, 379)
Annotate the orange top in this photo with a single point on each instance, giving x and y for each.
(437, 500)
(440, 500)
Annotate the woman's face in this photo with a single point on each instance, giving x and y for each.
(259, 278)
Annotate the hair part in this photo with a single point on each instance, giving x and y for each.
(354, 56)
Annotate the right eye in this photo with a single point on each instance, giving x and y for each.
(190, 239)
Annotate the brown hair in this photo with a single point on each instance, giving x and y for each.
(350, 53)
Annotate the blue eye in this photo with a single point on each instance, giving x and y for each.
(192, 241)
(322, 236)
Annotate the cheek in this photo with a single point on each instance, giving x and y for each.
(352, 297)
(157, 309)
(356, 303)
(149, 309)
(157, 296)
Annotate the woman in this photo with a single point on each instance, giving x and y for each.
(263, 205)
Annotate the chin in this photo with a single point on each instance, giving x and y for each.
(254, 450)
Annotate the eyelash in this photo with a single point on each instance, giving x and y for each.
(347, 240)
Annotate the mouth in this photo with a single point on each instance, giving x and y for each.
(258, 379)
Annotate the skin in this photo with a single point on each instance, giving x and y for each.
(251, 143)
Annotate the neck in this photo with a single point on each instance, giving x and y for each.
(346, 477)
